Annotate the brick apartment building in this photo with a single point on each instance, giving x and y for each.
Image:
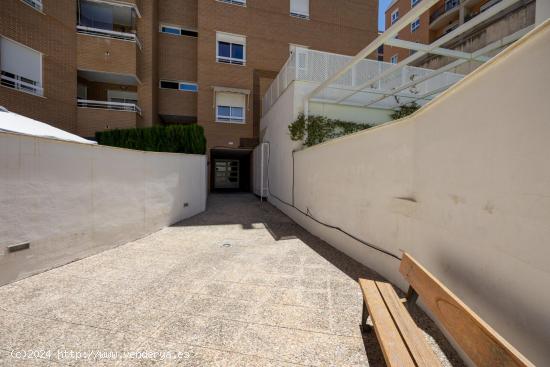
(447, 15)
(94, 65)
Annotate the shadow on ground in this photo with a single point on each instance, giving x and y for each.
(248, 211)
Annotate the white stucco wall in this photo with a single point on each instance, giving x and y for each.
(463, 185)
(373, 116)
(71, 200)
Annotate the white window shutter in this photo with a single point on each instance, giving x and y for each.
(20, 60)
(231, 38)
(230, 99)
(299, 7)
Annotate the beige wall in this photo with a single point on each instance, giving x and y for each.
(72, 200)
(463, 185)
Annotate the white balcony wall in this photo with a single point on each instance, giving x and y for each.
(463, 185)
(72, 200)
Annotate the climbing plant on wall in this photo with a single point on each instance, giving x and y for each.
(405, 110)
(318, 129)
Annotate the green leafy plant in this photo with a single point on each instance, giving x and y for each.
(314, 130)
(175, 139)
(405, 110)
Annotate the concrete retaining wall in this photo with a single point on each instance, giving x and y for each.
(463, 185)
(72, 200)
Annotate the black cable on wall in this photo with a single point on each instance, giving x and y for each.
(308, 214)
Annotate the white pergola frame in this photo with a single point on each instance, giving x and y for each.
(388, 38)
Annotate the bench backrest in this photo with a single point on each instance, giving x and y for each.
(479, 341)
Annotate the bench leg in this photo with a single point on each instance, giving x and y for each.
(364, 327)
(412, 297)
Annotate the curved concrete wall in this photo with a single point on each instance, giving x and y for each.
(72, 200)
(463, 185)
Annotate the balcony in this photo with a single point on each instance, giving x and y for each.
(108, 55)
(476, 7)
(107, 117)
(445, 14)
(106, 20)
(106, 101)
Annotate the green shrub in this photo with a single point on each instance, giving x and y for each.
(405, 110)
(175, 139)
(314, 130)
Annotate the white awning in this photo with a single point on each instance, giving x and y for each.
(14, 123)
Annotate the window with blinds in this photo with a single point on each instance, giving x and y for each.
(231, 48)
(230, 107)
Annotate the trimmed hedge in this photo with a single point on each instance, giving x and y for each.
(174, 139)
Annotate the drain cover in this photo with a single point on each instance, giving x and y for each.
(226, 245)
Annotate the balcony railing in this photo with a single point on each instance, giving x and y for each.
(448, 6)
(132, 37)
(314, 67)
(107, 105)
(21, 83)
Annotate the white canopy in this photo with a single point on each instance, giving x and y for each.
(14, 123)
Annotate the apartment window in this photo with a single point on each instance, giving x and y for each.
(394, 59)
(230, 107)
(394, 16)
(415, 25)
(183, 86)
(299, 8)
(177, 31)
(414, 3)
(20, 67)
(37, 4)
(231, 49)
(234, 2)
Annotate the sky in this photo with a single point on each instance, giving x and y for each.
(382, 5)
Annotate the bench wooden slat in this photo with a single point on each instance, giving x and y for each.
(418, 347)
(392, 345)
(479, 341)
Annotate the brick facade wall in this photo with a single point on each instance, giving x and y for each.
(107, 55)
(91, 120)
(342, 27)
(51, 32)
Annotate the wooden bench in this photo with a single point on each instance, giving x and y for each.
(402, 342)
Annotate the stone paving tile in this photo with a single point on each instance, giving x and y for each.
(296, 317)
(202, 331)
(84, 311)
(296, 346)
(277, 296)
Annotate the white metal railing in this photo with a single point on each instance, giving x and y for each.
(286, 76)
(116, 106)
(317, 66)
(132, 37)
(18, 82)
(37, 4)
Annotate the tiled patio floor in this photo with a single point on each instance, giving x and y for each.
(276, 296)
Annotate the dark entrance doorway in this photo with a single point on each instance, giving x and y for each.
(230, 170)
